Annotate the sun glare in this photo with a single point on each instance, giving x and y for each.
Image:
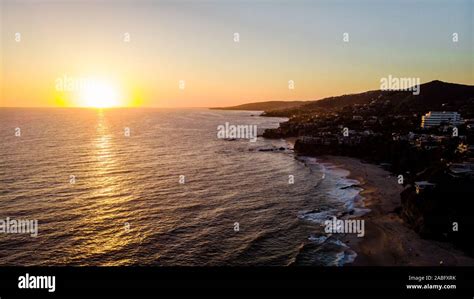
(99, 94)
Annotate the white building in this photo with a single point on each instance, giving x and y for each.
(435, 118)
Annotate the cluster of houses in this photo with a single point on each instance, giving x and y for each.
(333, 133)
(352, 138)
(434, 132)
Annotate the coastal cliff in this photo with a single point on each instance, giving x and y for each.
(435, 165)
(442, 213)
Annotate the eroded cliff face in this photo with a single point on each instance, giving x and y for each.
(445, 213)
(417, 211)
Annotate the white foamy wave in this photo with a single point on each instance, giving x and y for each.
(334, 170)
(343, 190)
(317, 239)
(341, 253)
(347, 196)
(345, 257)
(346, 190)
(319, 216)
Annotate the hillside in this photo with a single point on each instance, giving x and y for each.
(264, 106)
(434, 95)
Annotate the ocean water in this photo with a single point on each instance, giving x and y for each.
(127, 205)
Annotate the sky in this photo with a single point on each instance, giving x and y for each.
(184, 54)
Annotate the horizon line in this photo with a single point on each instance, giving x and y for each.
(219, 107)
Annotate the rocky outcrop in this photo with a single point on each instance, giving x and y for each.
(444, 213)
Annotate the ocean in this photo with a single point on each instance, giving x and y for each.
(156, 187)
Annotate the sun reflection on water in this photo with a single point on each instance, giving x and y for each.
(105, 227)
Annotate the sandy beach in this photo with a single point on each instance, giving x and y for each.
(388, 241)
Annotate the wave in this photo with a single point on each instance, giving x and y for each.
(348, 203)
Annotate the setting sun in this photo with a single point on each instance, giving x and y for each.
(99, 94)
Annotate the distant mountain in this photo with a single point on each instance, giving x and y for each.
(264, 106)
(434, 95)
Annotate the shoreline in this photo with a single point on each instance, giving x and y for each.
(388, 241)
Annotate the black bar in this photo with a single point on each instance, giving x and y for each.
(223, 282)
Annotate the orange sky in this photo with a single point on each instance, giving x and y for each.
(79, 41)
